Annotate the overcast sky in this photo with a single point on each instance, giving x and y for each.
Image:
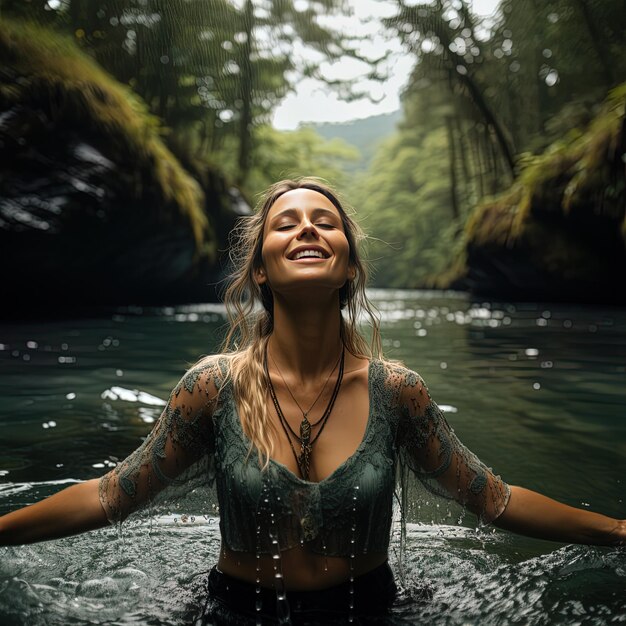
(310, 103)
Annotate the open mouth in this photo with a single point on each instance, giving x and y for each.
(308, 253)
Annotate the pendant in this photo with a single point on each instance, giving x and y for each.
(304, 461)
(305, 431)
(305, 451)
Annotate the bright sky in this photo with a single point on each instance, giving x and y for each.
(312, 103)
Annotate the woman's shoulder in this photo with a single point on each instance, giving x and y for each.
(209, 372)
(406, 387)
(397, 374)
(212, 363)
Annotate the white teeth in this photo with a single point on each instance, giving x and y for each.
(307, 253)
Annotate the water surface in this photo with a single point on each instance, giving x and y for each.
(536, 390)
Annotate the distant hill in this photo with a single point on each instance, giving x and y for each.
(365, 134)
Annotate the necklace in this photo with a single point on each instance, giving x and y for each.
(305, 414)
(303, 460)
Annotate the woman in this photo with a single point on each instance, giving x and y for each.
(305, 429)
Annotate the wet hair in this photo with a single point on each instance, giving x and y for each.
(250, 310)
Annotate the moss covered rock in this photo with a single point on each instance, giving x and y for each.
(94, 209)
(559, 232)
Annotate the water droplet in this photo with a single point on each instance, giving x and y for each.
(552, 78)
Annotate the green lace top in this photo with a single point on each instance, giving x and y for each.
(349, 511)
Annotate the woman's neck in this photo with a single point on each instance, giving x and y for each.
(306, 339)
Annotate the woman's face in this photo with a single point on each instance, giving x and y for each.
(304, 245)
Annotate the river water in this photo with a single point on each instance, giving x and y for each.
(536, 390)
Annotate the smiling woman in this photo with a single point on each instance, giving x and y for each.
(304, 232)
(305, 428)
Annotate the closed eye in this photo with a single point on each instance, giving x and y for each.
(326, 226)
(285, 226)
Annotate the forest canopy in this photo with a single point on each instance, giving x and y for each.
(486, 95)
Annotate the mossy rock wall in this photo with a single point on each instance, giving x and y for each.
(559, 233)
(94, 209)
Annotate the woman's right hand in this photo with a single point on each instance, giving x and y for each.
(70, 511)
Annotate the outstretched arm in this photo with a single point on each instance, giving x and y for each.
(73, 510)
(180, 438)
(446, 467)
(530, 513)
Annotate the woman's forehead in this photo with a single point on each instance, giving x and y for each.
(301, 199)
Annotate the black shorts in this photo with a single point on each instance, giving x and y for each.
(232, 602)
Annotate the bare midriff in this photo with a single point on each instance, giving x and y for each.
(302, 570)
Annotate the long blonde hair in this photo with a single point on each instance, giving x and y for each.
(251, 325)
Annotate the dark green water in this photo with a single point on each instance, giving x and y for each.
(537, 391)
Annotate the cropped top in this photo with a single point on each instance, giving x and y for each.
(348, 512)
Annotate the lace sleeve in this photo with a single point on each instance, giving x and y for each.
(440, 461)
(182, 436)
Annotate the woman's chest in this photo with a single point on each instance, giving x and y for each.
(364, 475)
(314, 443)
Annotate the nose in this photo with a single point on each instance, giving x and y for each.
(307, 229)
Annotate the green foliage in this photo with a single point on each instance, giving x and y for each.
(55, 73)
(485, 101)
(302, 152)
(513, 96)
(365, 134)
(403, 204)
(211, 70)
(582, 174)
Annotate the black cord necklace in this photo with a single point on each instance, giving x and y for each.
(303, 460)
(305, 414)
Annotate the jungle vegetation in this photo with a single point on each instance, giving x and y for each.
(492, 103)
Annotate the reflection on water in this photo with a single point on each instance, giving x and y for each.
(535, 390)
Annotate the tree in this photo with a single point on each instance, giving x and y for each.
(210, 69)
(271, 32)
(445, 42)
(482, 95)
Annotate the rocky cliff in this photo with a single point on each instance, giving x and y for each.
(94, 209)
